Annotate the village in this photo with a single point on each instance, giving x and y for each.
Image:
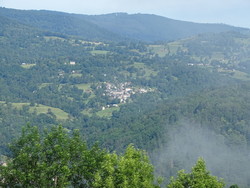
(121, 91)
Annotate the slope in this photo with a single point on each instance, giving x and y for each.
(67, 24)
(151, 28)
(116, 26)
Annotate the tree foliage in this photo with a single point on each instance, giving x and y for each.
(56, 159)
(199, 177)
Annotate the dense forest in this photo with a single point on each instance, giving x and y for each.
(115, 26)
(178, 100)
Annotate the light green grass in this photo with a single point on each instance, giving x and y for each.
(241, 75)
(139, 65)
(87, 112)
(107, 113)
(44, 85)
(27, 66)
(19, 105)
(84, 86)
(99, 52)
(60, 114)
(47, 38)
(75, 75)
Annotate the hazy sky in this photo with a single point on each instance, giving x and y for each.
(233, 12)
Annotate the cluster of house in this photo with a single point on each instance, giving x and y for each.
(200, 64)
(122, 91)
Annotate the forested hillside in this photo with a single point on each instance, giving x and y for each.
(152, 28)
(117, 91)
(115, 27)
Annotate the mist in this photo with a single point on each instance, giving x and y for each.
(189, 141)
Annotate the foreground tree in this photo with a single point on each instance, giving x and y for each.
(132, 170)
(198, 178)
(58, 159)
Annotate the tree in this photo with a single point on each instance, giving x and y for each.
(198, 178)
(59, 158)
(38, 161)
(24, 169)
(131, 170)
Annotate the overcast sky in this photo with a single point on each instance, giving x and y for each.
(233, 12)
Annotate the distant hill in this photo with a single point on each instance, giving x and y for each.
(116, 26)
(59, 22)
(10, 27)
(148, 27)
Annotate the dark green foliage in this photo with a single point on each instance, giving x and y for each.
(152, 28)
(62, 24)
(56, 159)
(117, 26)
(234, 186)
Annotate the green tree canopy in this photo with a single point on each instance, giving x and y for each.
(58, 158)
(131, 170)
(199, 177)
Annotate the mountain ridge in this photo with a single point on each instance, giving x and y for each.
(114, 26)
(150, 27)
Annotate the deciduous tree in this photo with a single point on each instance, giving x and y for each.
(199, 177)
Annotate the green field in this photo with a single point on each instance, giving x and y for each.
(107, 113)
(87, 112)
(99, 52)
(84, 86)
(39, 108)
(241, 75)
(47, 38)
(44, 85)
(75, 75)
(27, 66)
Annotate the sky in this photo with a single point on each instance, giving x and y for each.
(232, 12)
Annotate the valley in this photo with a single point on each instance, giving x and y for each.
(119, 87)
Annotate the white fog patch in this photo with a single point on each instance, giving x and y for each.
(191, 141)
